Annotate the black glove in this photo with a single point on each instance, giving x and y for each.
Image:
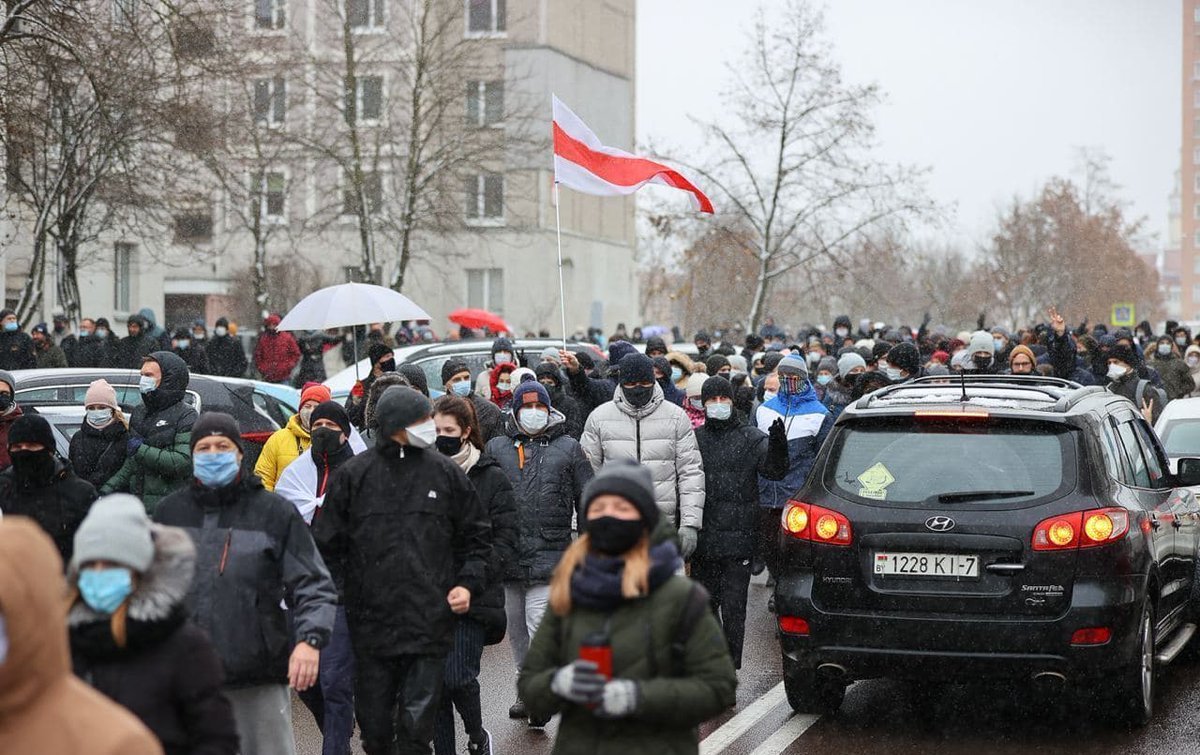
(982, 319)
(778, 433)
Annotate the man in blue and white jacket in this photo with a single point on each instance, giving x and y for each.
(807, 423)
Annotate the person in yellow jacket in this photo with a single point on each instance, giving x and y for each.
(286, 444)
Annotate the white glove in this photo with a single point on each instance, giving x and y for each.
(688, 537)
(580, 682)
(620, 699)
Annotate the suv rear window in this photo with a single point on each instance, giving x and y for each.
(1006, 464)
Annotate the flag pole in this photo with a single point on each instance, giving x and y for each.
(562, 289)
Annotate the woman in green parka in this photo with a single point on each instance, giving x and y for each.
(617, 587)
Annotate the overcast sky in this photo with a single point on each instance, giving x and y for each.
(993, 95)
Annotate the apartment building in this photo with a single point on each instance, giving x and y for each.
(291, 209)
(1189, 185)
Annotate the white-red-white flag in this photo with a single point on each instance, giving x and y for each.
(582, 163)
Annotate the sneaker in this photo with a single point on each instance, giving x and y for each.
(538, 723)
(518, 710)
(483, 747)
(771, 603)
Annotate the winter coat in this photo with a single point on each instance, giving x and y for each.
(591, 392)
(168, 673)
(549, 485)
(400, 528)
(304, 483)
(500, 398)
(94, 351)
(1128, 387)
(58, 505)
(735, 455)
(570, 407)
(131, 350)
(275, 356)
(838, 395)
(163, 462)
(252, 551)
(51, 357)
(808, 424)
(1177, 378)
(642, 632)
(281, 449)
(226, 357)
(44, 708)
(162, 339)
(16, 351)
(1063, 356)
(196, 358)
(1194, 371)
(658, 436)
(489, 417)
(98, 453)
(6, 423)
(496, 494)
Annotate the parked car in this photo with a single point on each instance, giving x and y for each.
(989, 527)
(431, 356)
(260, 408)
(1178, 428)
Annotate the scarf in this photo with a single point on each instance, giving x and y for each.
(467, 456)
(596, 584)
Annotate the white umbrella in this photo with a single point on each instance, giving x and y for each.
(351, 304)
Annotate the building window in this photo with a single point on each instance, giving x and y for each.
(485, 103)
(364, 100)
(270, 101)
(269, 14)
(485, 16)
(372, 191)
(1196, 156)
(485, 289)
(270, 195)
(122, 276)
(485, 197)
(194, 227)
(1196, 14)
(365, 15)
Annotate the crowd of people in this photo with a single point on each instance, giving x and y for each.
(374, 549)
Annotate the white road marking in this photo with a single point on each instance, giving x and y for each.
(743, 722)
(786, 735)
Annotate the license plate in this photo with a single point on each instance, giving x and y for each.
(926, 565)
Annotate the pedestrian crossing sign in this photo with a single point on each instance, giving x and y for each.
(1123, 316)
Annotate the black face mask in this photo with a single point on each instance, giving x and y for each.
(33, 467)
(982, 362)
(447, 445)
(612, 536)
(6, 402)
(388, 366)
(638, 396)
(326, 440)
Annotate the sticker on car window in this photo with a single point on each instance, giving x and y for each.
(875, 482)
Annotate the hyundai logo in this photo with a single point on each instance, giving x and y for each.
(940, 523)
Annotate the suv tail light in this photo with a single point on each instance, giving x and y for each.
(1081, 529)
(806, 521)
(793, 625)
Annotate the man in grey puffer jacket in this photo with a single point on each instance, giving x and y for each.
(641, 425)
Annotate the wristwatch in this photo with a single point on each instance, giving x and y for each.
(313, 641)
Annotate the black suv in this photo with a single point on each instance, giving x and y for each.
(989, 527)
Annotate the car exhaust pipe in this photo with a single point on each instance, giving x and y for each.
(833, 670)
(1049, 681)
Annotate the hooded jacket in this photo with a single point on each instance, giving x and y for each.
(16, 351)
(1194, 351)
(496, 494)
(1176, 377)
(281, 449)
(129, 352)
(564, 402)
(400, 528)
(547, 472)
(98, 453)
(276, 355)
(489, 416)
(44, 708)
(226, 357)
(94, 351)
(642, 632)
(658, 435)
(163, 462)
(500, 398)
(252, 551)
(807, 423)
(168, 674)
(58, 504)
(162, 339)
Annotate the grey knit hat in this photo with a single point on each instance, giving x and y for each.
(629, 480)
(116, 529)
(7, 377)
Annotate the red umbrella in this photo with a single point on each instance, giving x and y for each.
(479, 318)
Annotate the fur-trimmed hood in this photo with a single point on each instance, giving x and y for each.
(378, 386)
(161, 589)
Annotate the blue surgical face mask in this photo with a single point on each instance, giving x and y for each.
(147, 384)
(895, 373)
(184, 343)
(676, 374)
(101, 333)
(216, 470)
(824, 379)
(461, 388)
(719, 410)
(999, 344)
(10, 326)
(105, 589)
(84, 332)
(768, 395)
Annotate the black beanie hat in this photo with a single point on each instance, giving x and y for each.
(334, 412)
(716, 386)
(376, 351)
(655, 343)
(399, 407)
(879, 350)
(452, 367)
(662, 365)
(218, 424)
(628, 480)
(586, 360)
(415, 376)
(1124, 353)
(771, 361)
(502, 344)
(715, 363)
(31, 428)
(636, 368)
(548, 369)
(906, 357)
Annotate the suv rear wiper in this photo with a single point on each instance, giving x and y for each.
(976, 495)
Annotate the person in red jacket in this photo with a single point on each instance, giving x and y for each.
(277, 353)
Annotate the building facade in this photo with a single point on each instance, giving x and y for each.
(1189, 190)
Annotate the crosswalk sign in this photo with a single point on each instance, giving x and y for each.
(1123, 316)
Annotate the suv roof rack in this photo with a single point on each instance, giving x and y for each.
(1050, 387)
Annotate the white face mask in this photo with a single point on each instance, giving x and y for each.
(534, 420)
(768, 395)
(1116, 372)
(306, 416)
(504, 387)
(99, 417)
(220, 331)
(422, 434)
(504, 357)
(719, 410)
(842, 332)
(895, 373)
(1193, 361)
(696, 403)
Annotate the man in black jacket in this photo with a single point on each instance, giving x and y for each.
(226, 357)
(406, 536)
(133, 348)
(456, 380)
(252, 551)
(40, 486)
(734, 454)
(16, 347)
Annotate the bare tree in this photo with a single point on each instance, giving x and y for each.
(793, 154)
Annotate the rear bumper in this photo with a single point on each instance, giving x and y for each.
(951, 647)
